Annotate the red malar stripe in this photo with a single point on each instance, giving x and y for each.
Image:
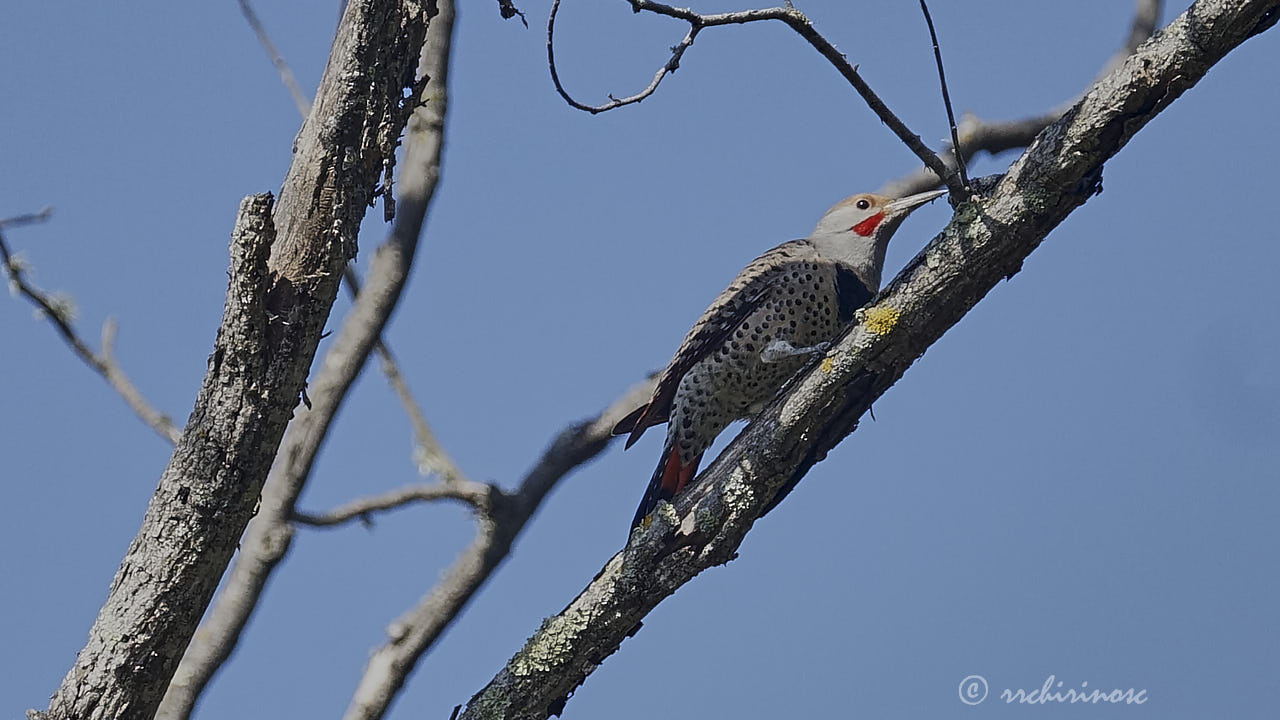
(868, 226)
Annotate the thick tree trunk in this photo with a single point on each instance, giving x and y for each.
(284, 277)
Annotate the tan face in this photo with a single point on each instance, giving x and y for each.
(859, 214)
(873, 207)
(865, 214)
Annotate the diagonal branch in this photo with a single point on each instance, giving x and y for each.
(979, 136)
(428, 455)
(986, 241)
(411, 635)
(270, 534)
(59, 313)
(946, 94)
(35, 218)
(976, 136)
(287, 257)
(792, 18)
(286, 73)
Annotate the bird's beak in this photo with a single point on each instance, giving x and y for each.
(902, 206)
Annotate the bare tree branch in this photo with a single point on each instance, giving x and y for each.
(415, 632)
(286, 74)
(475, 494)
(978, 136)
(946, 94)
(671, 66)
(271, 532)
(792, 18)
(410, 636)
(41, 215)
(59, 313)
(284, 279)
(986, 241)
(428, 455)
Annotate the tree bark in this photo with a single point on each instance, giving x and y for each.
(986, 241)
(285, 271)
(501, 521)
(271, 532)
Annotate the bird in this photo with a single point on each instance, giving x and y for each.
(783, 308)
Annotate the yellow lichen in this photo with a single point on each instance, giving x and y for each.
(881, 319)
(827, 364)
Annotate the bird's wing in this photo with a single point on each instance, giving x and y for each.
(744, 295)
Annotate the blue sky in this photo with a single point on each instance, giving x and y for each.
(1079, 480)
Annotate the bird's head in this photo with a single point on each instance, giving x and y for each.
(857, 229)
(868, 215)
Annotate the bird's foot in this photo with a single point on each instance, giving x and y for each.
(779, 350)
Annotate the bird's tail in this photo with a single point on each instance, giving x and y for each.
(670, 478)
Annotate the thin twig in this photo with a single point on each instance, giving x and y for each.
(797, 21)
(286, 74)
(671, 66)
(946, 95)
(428, 455)
(414, 632)
(39, 216)
(475, 494)
(792, 18)
(977, 136)
(58, 312)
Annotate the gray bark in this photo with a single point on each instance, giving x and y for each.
(986, 241)
(501, 519)
(270, 535)
(284, 277)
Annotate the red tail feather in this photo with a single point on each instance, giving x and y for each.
(670, 478)
(679, 474)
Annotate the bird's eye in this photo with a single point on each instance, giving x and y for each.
(863, 204)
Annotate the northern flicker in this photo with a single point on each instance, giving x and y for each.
(787, 305)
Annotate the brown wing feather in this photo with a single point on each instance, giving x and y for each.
(744, 295)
